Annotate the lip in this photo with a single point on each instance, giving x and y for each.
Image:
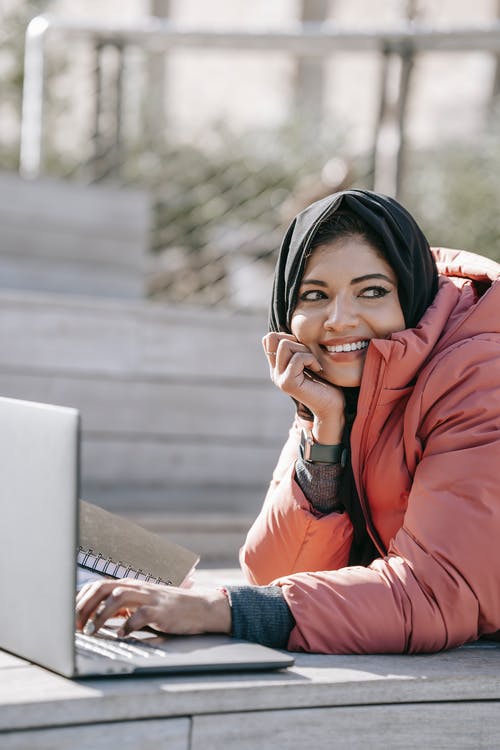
(352, 354)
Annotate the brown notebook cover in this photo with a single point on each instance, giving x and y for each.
(113, 546)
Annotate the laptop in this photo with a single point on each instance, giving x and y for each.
(39, 493)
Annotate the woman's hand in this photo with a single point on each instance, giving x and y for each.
(166, 608)
(297, 372)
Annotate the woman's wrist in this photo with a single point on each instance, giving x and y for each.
(218, 612)
(328, 431)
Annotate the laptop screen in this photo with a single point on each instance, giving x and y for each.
(39, 469)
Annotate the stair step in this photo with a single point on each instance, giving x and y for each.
(216, 537)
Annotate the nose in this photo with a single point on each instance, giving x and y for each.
(341, 314)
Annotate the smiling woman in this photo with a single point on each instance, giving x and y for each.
(381, 343)
(379, 532)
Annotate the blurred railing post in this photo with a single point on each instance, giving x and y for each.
(310, 73)
(390, 129)
(108, 115)
(388, 151)
(495, 89)
(154, 103)
(33, 93)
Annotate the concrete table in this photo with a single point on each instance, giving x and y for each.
(447, 700)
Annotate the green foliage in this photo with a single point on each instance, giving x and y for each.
(454, 192)
(228, 180)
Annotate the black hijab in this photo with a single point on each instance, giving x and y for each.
(407, 252)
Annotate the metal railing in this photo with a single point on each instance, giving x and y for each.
(309, 40)
(197, 255)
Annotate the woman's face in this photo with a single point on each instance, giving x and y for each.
(348, 295)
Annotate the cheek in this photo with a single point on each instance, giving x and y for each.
(399, 323)
(399, 315)
(391, 321)
(299, 326)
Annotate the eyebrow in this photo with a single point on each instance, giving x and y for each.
(318, 282)
(372, 276)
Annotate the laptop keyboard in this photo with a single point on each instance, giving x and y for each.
(106, 643)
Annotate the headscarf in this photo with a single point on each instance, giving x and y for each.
(407, 252)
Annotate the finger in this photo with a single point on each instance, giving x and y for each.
(292, 359)
(120, 598)
(82, 592)
(89, 600)
(270, 344)
(271, 341)
(95, 594)
(313, 377)
(285, 348)
(291, 346)
(279, 348)
(297, 382)
(144, 615)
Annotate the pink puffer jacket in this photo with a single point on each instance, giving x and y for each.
(426, 459)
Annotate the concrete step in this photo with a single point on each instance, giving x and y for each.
(178, 410)
(62, 237)
(216, 537)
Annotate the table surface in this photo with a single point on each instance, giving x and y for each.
(355, 694)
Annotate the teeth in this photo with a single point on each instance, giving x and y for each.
(347, 347)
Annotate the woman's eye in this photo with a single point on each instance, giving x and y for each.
(374, 291)
(312, 295)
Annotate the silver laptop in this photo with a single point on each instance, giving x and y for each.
(39, 491)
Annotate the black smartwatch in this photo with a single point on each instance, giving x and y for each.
(318, 453)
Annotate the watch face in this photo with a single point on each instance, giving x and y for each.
(306, 443)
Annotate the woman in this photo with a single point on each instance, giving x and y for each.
(380, 529)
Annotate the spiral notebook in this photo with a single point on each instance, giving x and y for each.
(115, 547)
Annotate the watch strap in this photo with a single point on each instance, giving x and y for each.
(321, 453)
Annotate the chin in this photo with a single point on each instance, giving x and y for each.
(344, 379)
(349, 383)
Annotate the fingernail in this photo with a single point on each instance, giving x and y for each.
(89, 628)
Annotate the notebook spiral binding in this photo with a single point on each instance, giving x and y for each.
(91, 560)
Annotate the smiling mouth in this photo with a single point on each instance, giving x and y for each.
(352, 347)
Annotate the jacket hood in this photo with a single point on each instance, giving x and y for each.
(477, 279)
(460, 264)
(465, 306)
(405, 246)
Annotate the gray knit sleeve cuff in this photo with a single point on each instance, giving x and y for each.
(260, 614)
(320, 483)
